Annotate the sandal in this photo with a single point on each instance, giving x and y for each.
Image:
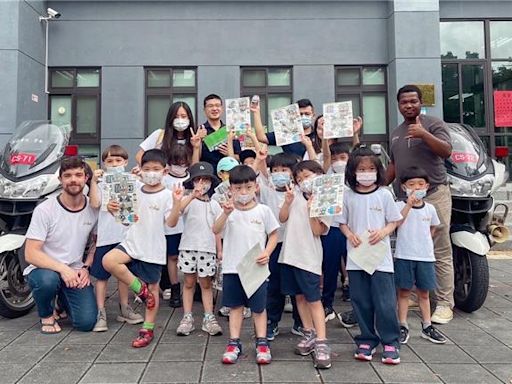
(53, 325)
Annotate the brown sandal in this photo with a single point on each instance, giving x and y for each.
(52, 324)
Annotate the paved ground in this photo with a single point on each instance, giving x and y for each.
(479, 351)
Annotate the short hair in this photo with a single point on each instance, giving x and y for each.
(309, 165)
(304, 103)
(242, 174)
(353, 161)
(283, 159)
(179, 155)
(73, 162)
(211, 96)
(408, 89)
(246, 154)
(413, 172)
(338, 148)
(114, 150)
(156, 155)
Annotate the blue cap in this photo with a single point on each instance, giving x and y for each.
(226, 164)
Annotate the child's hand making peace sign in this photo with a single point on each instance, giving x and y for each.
(289, 195)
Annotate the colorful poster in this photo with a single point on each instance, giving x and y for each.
(338, 120)
(121, 187)
(222, 192)
(287, 124)
(327, 195)
(238, 115)
(503, 108)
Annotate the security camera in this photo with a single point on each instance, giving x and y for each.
(53, 13)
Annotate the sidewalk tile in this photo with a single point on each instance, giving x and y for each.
(243, 371)
(442, 353)
(350, 372)
(502, 371)
(178, 352)
(36, 338)
(404, 372)
(121, 353)
(74, 353)
(495, 354)
(292, 371)
(76, 337)
(178, 372)
(11, 373)
(55, 373)
(125, 373)
(23, 354)
(463, 374)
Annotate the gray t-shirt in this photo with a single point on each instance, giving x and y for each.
(413, 151)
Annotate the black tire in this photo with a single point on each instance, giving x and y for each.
(471, 272)
(14, 305)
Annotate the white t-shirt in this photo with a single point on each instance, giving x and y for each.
(274, 200)
(65, 233)
(414, 240)
(198, 219)
(301, 248)
(169, 181)
(242, 231)
(109, 230)
(151, 141)
(319, 157)
(145, 239)
(369, 211)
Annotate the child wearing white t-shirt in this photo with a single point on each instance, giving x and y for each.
(370, 211)
(414, 253)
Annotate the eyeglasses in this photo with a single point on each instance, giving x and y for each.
(210, 106)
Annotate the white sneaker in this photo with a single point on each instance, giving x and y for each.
(166, 294)
(247, 312)
(288, 307)
(442, 315)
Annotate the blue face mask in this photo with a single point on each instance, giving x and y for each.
(418, 193)
(280, 179)
(306, 121)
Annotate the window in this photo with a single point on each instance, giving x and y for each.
(462, 40)
(165, 86)
(75, 99)
(273, 85)
(366, 87)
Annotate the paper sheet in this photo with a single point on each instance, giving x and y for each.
(338, 120)
(327, 195)
(287, 124)
(238, 115)
(252, 275)
(121, 188)
(366, 256)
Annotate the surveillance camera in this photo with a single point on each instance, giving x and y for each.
(53, 13)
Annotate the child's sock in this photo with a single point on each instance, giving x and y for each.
(208, 315)
(148, 326)
(426, 324)
(234, 341)
(261, 341)
(136, 286)
(404, 324)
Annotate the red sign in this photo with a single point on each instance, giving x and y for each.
(23, 159)
(462, 157)
(503, 108)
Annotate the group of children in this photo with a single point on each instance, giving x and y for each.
(185, 225)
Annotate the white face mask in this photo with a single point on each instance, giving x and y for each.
(339, 166)
(366, 179)
(180, 124)
(203, 187)
(178, 170)
(244, 198)
(306, 186)
(151, 178)
(118, 169)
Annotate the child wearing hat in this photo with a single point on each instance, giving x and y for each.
(197, 249)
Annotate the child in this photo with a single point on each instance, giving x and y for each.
(198, 246)
(301, 256)
(110, 234)
(245, 223)
(247, 157)
(138, 260)
(414, 254)
(369, 208)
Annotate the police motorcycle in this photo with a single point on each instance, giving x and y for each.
(29, 170)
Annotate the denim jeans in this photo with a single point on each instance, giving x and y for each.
(334, 246)
(80, 304)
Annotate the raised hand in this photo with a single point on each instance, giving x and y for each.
(304, 139)
(177, 192)
(97, 174)
(195, 138)
(262, 153)
(416, 130)
(228, 206)
(201, 131)
(357, 124)
(289, 195)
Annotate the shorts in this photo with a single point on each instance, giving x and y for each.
(410, 272)
(233, 294)
(202, 263)
(296, 281)
(97, 269)
(173, 242)
(149, 273)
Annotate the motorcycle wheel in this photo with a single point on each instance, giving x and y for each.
(15, 297)
(471, 273)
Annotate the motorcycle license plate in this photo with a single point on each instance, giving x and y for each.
(23, 158)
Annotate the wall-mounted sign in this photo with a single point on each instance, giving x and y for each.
(503, 108)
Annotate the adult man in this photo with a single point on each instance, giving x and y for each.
(213, 110)
(56, 240)
(307, 114)
(424, 141)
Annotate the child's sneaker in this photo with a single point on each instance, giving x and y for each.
(101, 322)
(322, 355)
(247, 313)
(329, 314)
(432, 334)
(347, 319)
(146, 296)
(297, 330)
(272, 331)
(223, 311)
(232, 352)
(128, 315)
(288, 306)
(364, 352)
(175, 300)
(166, 294)
(391, 355)
(404, 335)
(263, 355)
(345, 293)
(145, 337)
(307, 344)
(211, 326)
(186, 325)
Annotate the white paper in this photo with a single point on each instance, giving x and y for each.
(252, 275)
(338, 120)
(238, 115)
(287, 124)
(366, 256)
(327, 195)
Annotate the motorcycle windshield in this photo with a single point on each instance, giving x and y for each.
(469, 156)
(34, 146)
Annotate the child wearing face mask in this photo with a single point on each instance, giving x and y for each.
(245, 223)
(198, 246)
(414, 260)
(110, 234)
(137, 261)
(301, 261)
(370, 211)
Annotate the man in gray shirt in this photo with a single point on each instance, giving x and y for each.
(424, 141)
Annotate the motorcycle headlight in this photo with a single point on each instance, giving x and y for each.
(28, 189)
(463, 188)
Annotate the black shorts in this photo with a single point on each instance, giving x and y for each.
(173, 243)
(97, 269)
(233, 294)
(149, 273)
(296, 281)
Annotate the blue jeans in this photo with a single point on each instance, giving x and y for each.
(80, 304)
(374, 302)
(334, 246)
